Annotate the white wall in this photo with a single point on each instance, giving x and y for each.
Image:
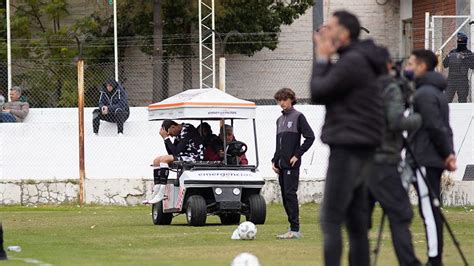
(46, 145)
(406, 9)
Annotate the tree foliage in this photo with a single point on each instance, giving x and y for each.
(44, 50)
(249, 26)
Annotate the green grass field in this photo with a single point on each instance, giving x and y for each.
(93, 235)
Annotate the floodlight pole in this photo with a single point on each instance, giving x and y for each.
(207, 58)
(9, 51)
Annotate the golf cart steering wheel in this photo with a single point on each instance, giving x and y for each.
(236, 148)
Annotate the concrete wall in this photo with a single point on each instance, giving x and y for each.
(381, 20)
(39, 158)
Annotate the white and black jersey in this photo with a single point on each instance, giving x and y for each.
(187, 145)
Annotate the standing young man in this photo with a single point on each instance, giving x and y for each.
(432, 144)
(286, 162)
(353, 128)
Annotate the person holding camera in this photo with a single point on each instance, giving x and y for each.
(385, 185)
(286, 162)
(113, 106)
(431, 144)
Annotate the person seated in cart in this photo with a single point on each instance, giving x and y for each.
(187, 147)
(209, 139)
(216, 152)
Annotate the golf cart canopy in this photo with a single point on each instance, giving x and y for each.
(202, 104)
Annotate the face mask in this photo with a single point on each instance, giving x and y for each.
(409, 74)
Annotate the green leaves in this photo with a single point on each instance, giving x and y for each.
(242, 27)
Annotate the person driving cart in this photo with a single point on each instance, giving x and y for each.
(187, 147)
(216, 152)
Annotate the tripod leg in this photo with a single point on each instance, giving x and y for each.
(455, 240)
(379, 239)
(3, 254)
(436, 201)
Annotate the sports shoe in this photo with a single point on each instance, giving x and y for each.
(159, 196)
(156, 189)
(290, 235)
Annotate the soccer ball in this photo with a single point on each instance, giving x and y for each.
(245, 259)
(247, 231)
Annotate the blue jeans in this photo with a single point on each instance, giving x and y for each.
(7, 118)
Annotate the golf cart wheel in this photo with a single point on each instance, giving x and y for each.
(257, 209)
(196, 210)
(160, 218)
(230, 218)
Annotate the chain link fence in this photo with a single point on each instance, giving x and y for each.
(45, 144)
(450, 40)
(52, 85)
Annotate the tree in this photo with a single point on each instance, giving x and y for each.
(51, 49)
(258, 23)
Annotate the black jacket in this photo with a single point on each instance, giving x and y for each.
(459, 61)
(187, 145)
(352, 96)
(290, 126)
(116, 100)
(433, 142)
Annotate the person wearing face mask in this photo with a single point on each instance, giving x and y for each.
(458, 62)
(385, 185)
(432, 144)
(353, 128)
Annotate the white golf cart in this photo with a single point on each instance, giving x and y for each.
(207, 188)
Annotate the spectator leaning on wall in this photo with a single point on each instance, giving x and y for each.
(15, 110)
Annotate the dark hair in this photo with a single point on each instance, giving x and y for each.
(427, 57)
(348, 21)
(168, 123)
(204, 126)
(285, 93)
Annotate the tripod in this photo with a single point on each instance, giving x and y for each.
(436, 204)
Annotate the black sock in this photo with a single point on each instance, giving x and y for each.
(156, 176)
(164, 172)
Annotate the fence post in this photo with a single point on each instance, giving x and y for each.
(80, 86)
(222, 73)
